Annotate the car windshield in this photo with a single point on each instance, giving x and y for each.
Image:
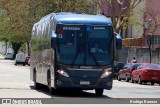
(85, 45)
(152, 66)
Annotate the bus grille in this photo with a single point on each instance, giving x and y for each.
(85, 73)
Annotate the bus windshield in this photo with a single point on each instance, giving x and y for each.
(85, 45)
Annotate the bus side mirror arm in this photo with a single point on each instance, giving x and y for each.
(53, 40)
(118, 41)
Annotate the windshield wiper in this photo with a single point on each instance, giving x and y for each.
(75, 56)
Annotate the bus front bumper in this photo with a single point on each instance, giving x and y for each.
(84, 84)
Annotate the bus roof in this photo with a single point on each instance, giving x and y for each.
(73, 18)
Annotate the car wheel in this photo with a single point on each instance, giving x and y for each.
(152, 83)
(99, 92)
(119, 79)
(139, 80)
(132, 79)
(127, 80)
(15, 63)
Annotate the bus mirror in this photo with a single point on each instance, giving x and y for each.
(53, 39)
(118, 41)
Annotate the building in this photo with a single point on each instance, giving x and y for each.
(144, 28)
(147, 15)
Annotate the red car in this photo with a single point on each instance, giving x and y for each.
(146, 72)
(126, 71)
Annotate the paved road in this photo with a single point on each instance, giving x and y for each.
(15, 83)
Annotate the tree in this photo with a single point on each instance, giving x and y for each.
(120, 12)
(22, 14)
(15, 24)
(153, 25)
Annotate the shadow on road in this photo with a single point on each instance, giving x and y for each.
(69, 93)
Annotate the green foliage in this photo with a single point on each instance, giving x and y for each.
(20, 15)
(16, 46)
(23, 48)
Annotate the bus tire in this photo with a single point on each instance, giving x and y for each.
(51, 90)
(36, 85)
(99, 92)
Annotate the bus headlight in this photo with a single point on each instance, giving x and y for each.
(63, 73)
(106, 73)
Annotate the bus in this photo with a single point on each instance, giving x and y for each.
(63, 54)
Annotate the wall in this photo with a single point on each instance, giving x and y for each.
(141, 54)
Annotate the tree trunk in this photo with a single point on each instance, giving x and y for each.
(150, 55)
(115, 50)
(27, 49)
(5, 51)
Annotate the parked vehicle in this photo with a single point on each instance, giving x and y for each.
(126, 71)
(20, 59)
(9, 56)
(27, 60)
(146, 72)
(117, 67)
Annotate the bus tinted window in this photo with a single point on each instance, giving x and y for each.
(75, 45)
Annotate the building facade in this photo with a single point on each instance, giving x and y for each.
(147, 29)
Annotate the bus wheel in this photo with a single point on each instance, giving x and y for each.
(51, 90)
(99, 92)
(36, 85)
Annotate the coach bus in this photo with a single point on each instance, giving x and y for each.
(64, 56)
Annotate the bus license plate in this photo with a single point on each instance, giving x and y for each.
(84, 82)
(155, 78)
